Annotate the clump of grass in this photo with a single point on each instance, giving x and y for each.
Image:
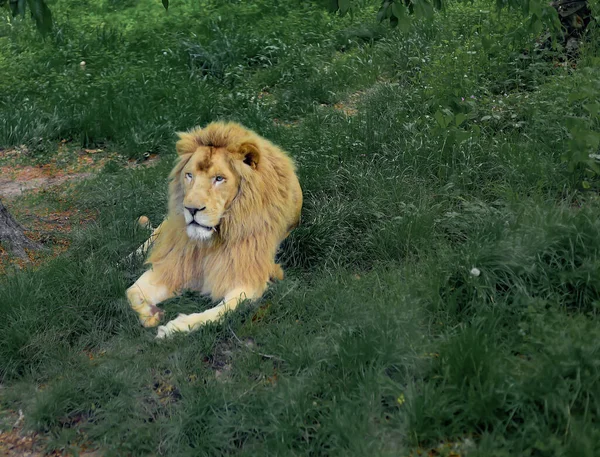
(442, 287)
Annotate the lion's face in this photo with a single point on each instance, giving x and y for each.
(209, 187)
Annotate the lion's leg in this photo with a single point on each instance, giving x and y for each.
(145, 294)
(143, 249)
(191, 322)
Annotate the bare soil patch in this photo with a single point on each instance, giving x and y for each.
(13, 187)
(23, 175)
(18, 175)
(15, 441)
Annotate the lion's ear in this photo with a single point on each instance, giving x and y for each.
(187, 143)
(250, 154)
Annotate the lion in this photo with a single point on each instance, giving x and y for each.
(233, 198)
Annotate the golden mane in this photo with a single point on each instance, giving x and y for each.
(266, 207)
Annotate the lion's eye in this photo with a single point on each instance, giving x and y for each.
(219, 178)
(188, 176)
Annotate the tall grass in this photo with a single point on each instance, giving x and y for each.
(443, 286)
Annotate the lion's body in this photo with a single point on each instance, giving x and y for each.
(233, 198)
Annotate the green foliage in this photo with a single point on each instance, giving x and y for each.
(539, 14)
(442, 287)
(583, 125)
(38, 8)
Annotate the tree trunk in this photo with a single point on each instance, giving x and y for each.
(11, 234)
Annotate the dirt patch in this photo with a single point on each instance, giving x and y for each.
(18, 175)
(220, 359)
(289, 124)
(349, 106)
(15, 441)
(10, 188)
(49, 228)
(23, 174)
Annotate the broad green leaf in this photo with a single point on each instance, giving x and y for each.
(592, 139)
(461, 135)
(14, 10)
(17, 7)
(486, 42)
(344, 6)
(460, 118)
(166, 4)
(585, 184)
(535, 8)
(450, 141)
(574, 123)
(405, 23)
(42, 15)
(594, 167)
(592, 108)
(384, 11)
(423, 8)
(399, 12)
(441, 120)
(573, 96)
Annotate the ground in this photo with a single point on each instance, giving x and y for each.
(38, 195)
(441, 294)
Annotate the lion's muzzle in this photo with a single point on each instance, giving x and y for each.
(197, 226)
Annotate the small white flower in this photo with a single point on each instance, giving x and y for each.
(475, 272)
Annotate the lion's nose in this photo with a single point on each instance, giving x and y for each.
(193, 211)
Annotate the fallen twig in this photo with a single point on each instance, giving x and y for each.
(268, 356)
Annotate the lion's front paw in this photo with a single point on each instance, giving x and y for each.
(163, 332)
(150, 321)
(151, 316)
(148, 314)
(178, 324)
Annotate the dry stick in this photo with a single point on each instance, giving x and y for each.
(268, 356)
(288, 291)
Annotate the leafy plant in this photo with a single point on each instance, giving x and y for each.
(398, 12)
(583, 147)
(38, 8)
(40, 11)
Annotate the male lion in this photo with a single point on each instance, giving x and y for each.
(233, 198)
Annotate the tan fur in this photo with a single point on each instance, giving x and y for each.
(253, 209)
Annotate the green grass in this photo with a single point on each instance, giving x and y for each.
(380, 341)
